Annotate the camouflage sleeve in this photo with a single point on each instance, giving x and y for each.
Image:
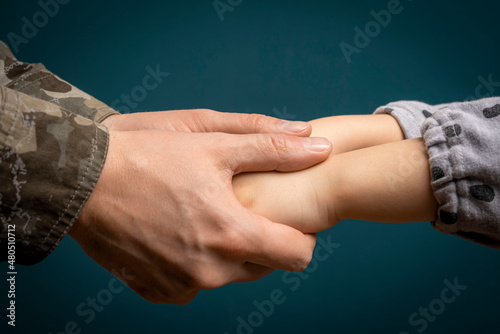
(36, 81)
(50, 160)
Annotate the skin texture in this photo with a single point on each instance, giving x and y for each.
(389, 182)
(163, 210)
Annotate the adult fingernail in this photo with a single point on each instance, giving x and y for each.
(296, 127)
(316, 144)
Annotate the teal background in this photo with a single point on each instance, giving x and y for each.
(266, 55)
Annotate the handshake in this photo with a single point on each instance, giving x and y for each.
(196, 199)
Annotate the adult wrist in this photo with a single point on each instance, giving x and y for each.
(93, 206)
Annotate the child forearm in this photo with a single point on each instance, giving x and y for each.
(353, 132)
(385, 183)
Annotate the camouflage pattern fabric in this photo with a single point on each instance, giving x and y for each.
(50, 158)
(36, 81)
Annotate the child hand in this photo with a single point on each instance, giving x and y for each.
(298, 199)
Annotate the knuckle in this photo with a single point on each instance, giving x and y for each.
(201, 117)
(233, 243)
(230, 243)
(280, 142)
(260, 122)
(276, 145)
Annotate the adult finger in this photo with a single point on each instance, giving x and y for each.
(205, 120)
(278, 246)
(266, 152)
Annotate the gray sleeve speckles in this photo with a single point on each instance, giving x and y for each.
(463, 143)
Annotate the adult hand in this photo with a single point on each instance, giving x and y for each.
(164, 210)
(205, 120)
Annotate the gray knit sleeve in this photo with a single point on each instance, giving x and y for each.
(463, 143)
